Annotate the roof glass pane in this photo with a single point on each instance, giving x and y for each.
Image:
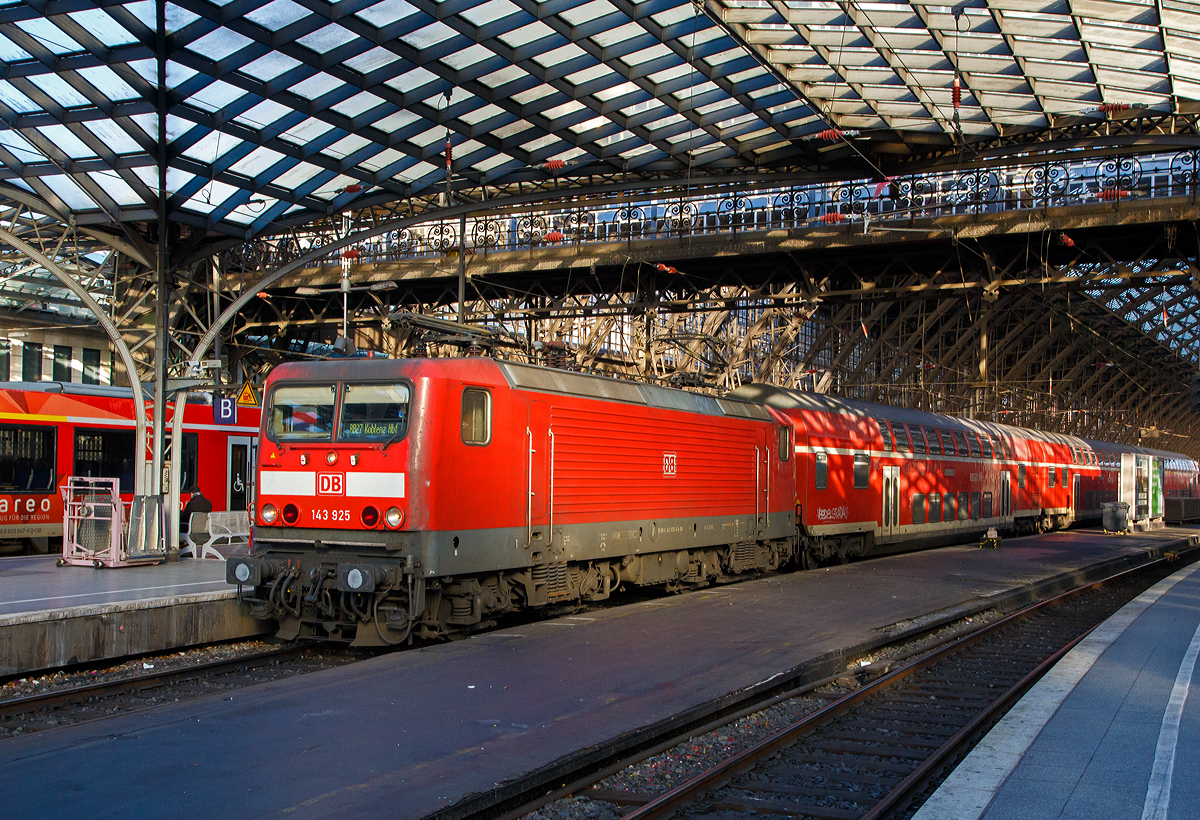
(559, 56)
(277, 14)
(269, 66)
(489, 12)
(64, 140)
(114, 136)
(620, 34)
(20, 147)
(480, 114)
(386, 13)
(587, 12)
(263, 114)
(10, 52)
(533, 94)
(294, 178)
(606, 94)
(467, 57)
(359, 103)
(219, 44)
(101, 26)
(212, 145)
(316, 86)
(526, 34)
(307, 131)
(372, 60)
(383, 159)
(430, 35)
(59, 90)
(69, 192)
(394, 122)
(257, 161)
(504, 75)
(346, 146)
(326, 39)
(14, 99)
(116, 188)
(108, 83)
(49, 36)
(215, 96)
(417, 78)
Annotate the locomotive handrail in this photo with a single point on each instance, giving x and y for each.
(767, 492)
(550, 499)
(757, 482)
(529, 493)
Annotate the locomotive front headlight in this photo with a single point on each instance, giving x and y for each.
(394, 518)
(331, 457)
(269, 513)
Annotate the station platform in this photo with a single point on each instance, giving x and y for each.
(54, 616)
(441, 728)
(1109, 734)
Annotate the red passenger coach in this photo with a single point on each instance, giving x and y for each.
(52, 430)
(430, 495)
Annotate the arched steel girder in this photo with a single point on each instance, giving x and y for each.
(139, 407)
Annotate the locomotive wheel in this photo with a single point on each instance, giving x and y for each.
(806, 561)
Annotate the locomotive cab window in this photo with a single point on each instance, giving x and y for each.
(302, 413)
(821, 473)
(476, 416)
(785, 443)
(27, 459)
(862, 471)
(374, 412)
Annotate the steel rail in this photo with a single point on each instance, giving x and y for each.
(716, 777)
(29, 703)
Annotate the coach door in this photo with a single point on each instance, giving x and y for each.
(891, 501)
(1076, 504)
(237, 488)
(538, 510)
(762, 482)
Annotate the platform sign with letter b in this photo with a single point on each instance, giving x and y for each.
(224, 410)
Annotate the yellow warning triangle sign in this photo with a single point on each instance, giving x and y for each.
(248, 397)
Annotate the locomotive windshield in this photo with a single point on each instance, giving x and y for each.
(374, 412)
(302, 413)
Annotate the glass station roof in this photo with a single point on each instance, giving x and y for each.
(288, 110)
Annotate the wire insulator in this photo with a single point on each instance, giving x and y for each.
(1066, 240)
(832, 218)
(956, 92)
(1113, 108)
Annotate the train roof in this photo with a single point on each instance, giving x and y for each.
(104, 390)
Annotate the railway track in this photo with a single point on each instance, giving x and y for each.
(871, 753)
(79, 703)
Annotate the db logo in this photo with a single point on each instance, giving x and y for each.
(331, 484)
(668, 464)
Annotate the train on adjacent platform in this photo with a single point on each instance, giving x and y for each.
(52, 430)
(427, 496)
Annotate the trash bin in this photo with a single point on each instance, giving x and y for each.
(1115, 515)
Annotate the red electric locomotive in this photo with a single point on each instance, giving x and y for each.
(426, 496)
(52, 430)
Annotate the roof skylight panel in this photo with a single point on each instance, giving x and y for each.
(114, 136)
(487, 163)
(470, 56)
(19, 147)
(326, 39)
(346, 147)
(587, 12)
(1125, 35)
(219, 44)
(108, 83)
(591, 73)
(69, 192)
(526, 34)
(294, 178)
(317, 86)
(563, 111)
(257, 161)
(396, 121)
(263, 115)
(531, 95)
(420, 80)
(645, 55)
(308, 131)
(386, 13)
(371, 60)
(211, 147)
(429, 36)
(49, 36)
(59, 90)
(620, 34)
(15, 100)
(504, 76)
(64, 140)
(684, 11)
(103, 27)
(1138, 88)
(613, 139)
(489, 12)
(216, 96)
(278, 14)
(269, 66)
(593, 124)
(360, 103)
(617, 91)
(543, 142)
(210, 197)
(120, 191)
(382, 160)
(11, 53)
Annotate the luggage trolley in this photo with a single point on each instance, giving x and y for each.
(95, 526)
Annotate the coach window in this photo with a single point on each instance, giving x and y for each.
(935, 444)
(973, 440)
(27, 459)
(821, 474)
(1064, 476)
(960, 443)
(374, 412)
(901, 437)
(785, 443)
(948, 513)
(883, 431)
(1005, 444)
(987, 505)
(974, 506)
(1052, 476)
(986, 440)
(476, 416)
(862, 471)
(1021, 476)
(301, 413)
(918, 509)
(963, 505)
(935, 508)
(105, 454)
(947, 443)
(918, 443)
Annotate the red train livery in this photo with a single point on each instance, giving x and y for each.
(52, 430)
(426, 496)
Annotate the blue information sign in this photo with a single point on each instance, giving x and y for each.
(224, 410)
